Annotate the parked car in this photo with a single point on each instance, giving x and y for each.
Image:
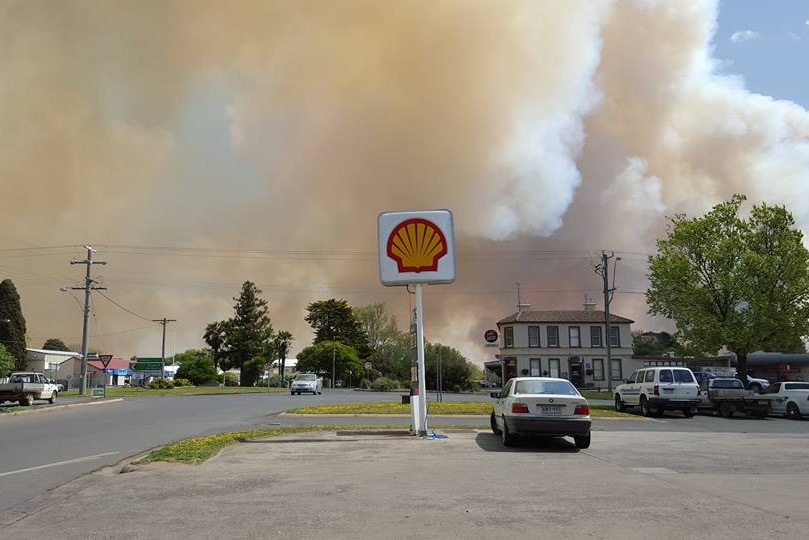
(306, 382)
(25, 387)
(727, 395)
(789, 398)
(702, 376)
(540, 406)
(659, 389)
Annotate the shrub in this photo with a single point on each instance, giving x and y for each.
(456, 388)
(182, 382)
(383, 384)
(231, 379)
(160, 383)
(365, 384)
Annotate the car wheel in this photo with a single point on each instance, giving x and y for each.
(582, 441)
(619, 404)
(493, 423)
(688, 412)
(52, 400)
(27, 401)
(726, 410)
(292, 393)
(508, 438)
(793, 411)
(645, 409)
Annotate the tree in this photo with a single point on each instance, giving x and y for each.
(727, 281)
(55, 344)
(6, 362)
(317, 358)
(334, 320)
(12, 323)
(378, 325)
(196, 366)
(393, 358)
(214, 336)
(456, 370)
(653, 343)
(248, 334)
(281, 344)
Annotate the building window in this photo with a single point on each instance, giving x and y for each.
(573, 334)
(595, 337)
(617, 374)
(508, 337)
(553, 367)
(598, 369)
(553, 336)
(536, 367)
(615, 336)
(533, 336)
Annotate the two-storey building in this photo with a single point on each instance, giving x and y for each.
(567, 344)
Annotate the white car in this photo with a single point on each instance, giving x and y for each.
(306, 382)
(659, 389)
(540, 406)
(789, 398)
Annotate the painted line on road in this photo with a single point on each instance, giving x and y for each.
(58, 463)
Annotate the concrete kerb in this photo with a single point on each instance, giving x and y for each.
(59, 407)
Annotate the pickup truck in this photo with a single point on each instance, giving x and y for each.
(26, 386)
(727, 395)
(789, 398)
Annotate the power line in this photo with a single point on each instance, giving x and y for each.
(125, 309)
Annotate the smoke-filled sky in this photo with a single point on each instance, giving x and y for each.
(198, 144)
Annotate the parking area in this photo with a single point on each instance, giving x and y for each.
(662, 479)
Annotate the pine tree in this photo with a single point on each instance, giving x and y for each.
(249, 333)
(12, 323)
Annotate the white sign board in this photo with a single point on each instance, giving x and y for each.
(416, 247)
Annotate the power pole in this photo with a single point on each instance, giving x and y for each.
(88, 286)
(163, 322)
(603, 270)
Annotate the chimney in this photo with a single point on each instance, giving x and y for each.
(589, 305)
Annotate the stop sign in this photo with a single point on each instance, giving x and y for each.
(490, 336)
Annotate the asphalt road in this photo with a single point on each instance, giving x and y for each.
(45, 449)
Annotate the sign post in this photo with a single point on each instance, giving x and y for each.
(417, 248)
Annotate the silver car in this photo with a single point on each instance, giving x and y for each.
(306, 382)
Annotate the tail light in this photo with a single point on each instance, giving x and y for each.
(657, 390)
(519, 408)
(582, 409)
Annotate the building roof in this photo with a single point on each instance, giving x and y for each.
(577, 316)
(115, 363)
(66, 354)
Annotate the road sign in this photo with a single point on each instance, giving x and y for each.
(105, 359)
(368, 365)
(490, 336)
(147, 366)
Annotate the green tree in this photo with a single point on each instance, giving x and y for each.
(281, 343)
(317, 358)
(215, 334)
(55, 344)
(456, 370)
(334, 320)
(196, 366)
(6, 362)
(725, 280)
(248, 334)
(12, 323)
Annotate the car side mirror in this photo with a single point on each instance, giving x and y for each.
(494, 394)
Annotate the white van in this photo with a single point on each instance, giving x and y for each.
(659, 389)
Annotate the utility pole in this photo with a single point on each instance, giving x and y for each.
(164, 321)
(88, 286)
(603, 270)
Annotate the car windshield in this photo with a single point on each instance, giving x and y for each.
(545, 387)
(307, 377)
(727, 383)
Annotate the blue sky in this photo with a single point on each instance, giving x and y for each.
(771, 47)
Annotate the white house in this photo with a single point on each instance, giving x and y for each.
(48, 362)
(567, 344)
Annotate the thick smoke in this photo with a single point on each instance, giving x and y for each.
(552, 130)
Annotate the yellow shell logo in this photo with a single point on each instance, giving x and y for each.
(416, 245)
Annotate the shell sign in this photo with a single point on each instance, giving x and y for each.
(416, 247)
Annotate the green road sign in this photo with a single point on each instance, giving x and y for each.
(147, 366)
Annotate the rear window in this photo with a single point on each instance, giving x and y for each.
(545, 387)
(727, 383)
(665, 376)
(683, 375)
(796, 386)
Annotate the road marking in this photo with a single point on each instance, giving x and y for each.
(58, 463)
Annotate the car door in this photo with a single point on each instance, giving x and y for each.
(631, 393)
(778, 402)
(499, 402)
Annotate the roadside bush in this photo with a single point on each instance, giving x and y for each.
(383, 384)
(456, 388)
(181, 382)
(365, 384)
(162, 384)
(231, 379)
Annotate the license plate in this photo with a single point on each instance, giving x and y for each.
(551, 409)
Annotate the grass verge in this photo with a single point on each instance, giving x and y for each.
(193, 391)
(460, 408)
